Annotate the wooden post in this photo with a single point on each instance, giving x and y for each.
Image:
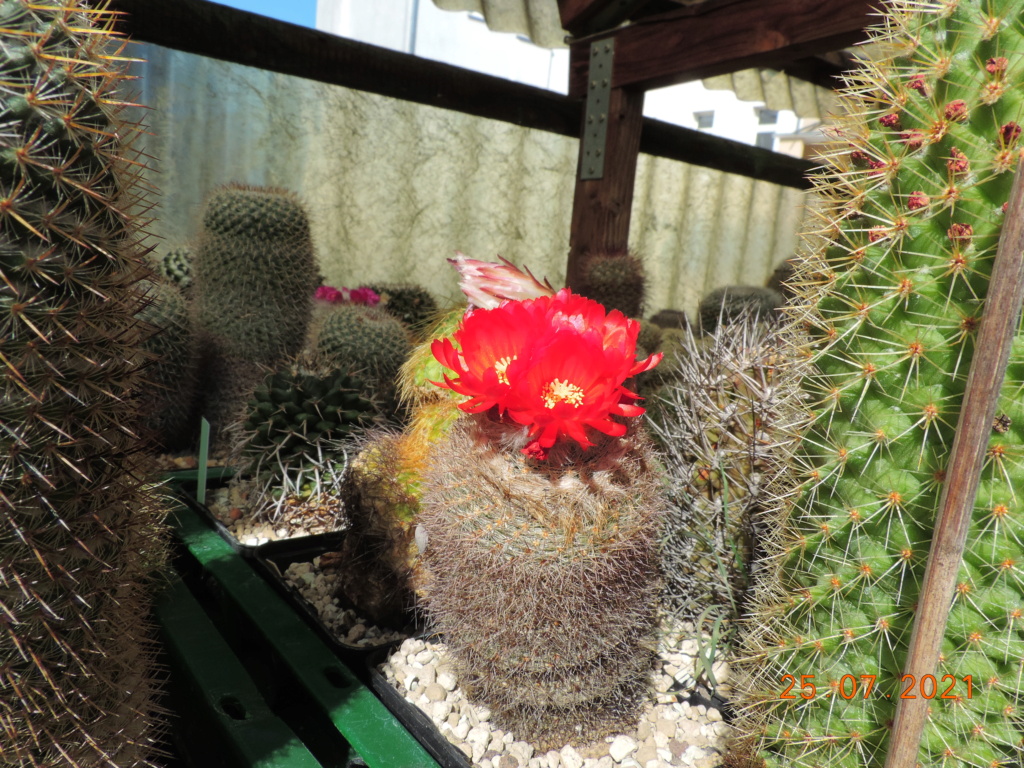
(601, 207)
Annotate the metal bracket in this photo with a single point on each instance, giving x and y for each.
(595, 125)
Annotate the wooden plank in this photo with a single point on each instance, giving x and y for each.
(208, 29)
(601, 207)
(688, 44)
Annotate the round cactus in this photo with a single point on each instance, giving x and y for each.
(411, 304)
(891, 290)
(299, 414)
(175, 267)
(81, 532)
(368, 342)
(615, 280)
(734, 302)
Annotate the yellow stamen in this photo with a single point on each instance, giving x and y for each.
(559, 391)
(500, 366)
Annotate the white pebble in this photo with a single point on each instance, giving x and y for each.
(714, 715)
(570, 757)
(446, 680)
(522, 751)
(477, 736)
(621, 747)
(461, 731)
(440, 709)
(553, 759)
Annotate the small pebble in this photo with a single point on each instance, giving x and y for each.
(621, 747)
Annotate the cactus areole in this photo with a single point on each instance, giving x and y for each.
(892, 290)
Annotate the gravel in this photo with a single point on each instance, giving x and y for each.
(672, 732)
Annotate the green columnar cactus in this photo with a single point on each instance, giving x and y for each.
(543, 582)
(169, 398)
(725, 419)
(892, 292)
(412, 304)
(254, 277)
(615, 280)
(80, 532)
(728, 304)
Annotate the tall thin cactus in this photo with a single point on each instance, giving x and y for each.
(80, 533)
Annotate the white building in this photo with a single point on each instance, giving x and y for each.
(463, 39)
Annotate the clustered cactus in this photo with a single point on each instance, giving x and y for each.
(892, 290)
(410, 303)
(81, 533)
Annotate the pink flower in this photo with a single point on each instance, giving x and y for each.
(346, 295)
(329, 294)
(486, 284)
(555, 364)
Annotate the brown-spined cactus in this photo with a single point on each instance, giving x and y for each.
(541, 511)
(80, 532)
(892, 290)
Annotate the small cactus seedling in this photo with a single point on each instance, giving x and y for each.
(175, 267)
(892, 290)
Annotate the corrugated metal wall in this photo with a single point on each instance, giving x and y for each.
(394, 188)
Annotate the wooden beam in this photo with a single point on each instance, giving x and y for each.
(219, 32)
(601, 207)
(697, 42)
(582, 17)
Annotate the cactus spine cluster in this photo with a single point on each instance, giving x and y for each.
(892, 290)
(80, 534)
(255, 274)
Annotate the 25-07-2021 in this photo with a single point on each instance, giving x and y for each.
(851, 686)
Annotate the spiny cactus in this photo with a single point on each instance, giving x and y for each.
(368, 342)
(892, 290)
(728, 304)
(299, 414)
(725, 419)
(615, 280)
(412, 304)
(81, 534)
(540, 529)
(670, 318)
(254, 277)
(175, 267)
(169, 400)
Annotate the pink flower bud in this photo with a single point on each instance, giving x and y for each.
(487, 284)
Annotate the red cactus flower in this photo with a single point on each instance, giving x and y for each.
(555, 364)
